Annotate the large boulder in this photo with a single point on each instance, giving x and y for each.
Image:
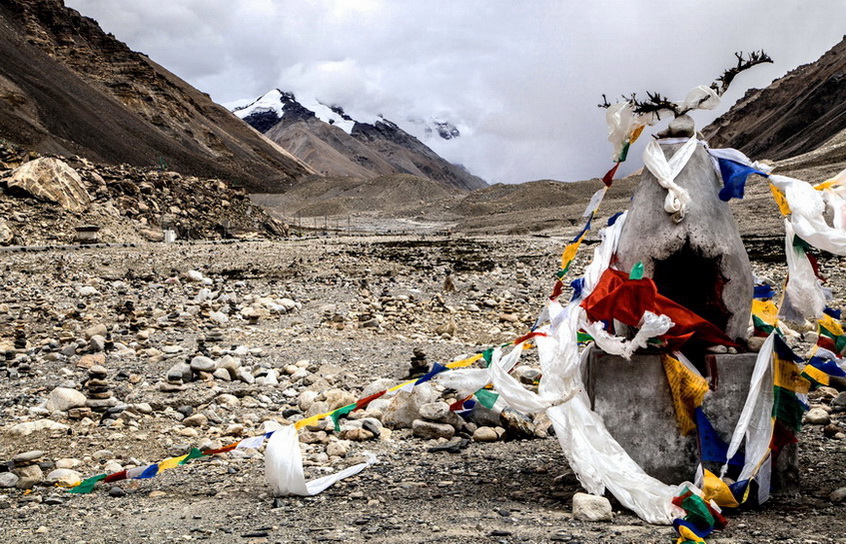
(51, 180)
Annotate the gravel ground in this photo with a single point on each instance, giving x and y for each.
(362, 306)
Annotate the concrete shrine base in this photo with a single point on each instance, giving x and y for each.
(634, 399)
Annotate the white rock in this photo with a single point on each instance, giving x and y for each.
(26, 429)
(338, 449)
(201, 363)
(405, 406)
(62, 399)
(591, 508)
(435, 411)
(64, 476)
(194, 275)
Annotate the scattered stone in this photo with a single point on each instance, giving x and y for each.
(64, 477)
(62, 399)
(26, 429)
(817, 416)
(838, 495)
(591, 508)
(485, 434)
(203, 364)
(8, 479)
(430, 430)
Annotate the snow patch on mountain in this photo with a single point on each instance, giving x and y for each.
(434, 126)
(277, 101)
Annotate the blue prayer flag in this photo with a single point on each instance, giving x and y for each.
(734, 178)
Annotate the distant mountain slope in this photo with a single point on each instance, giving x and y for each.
(67, 87)
(334, 144)
(795, 114)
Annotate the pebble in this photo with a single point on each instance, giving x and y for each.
(117, 491)
(62, 399)
(817, 416)
(430, 430)
(203, 364)
(8, 479)
(30, 427)
(27, 457)
(63, 476)
(485, 434)
(591, 508)
(838, 495)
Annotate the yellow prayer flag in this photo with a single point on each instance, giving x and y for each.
(787, 375)
(688, 390)
(831, 324)
(570, 253)
(780, 199)
(717, 490)
(766, 310)
(309, 421)
(688, 536)
(464, 362)
(171, 463)
(636, 133)
(818, 375)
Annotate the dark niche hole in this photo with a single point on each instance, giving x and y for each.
(695, 282)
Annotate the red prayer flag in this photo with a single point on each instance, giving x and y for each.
(618, 297)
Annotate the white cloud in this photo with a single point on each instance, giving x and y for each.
(522, 78)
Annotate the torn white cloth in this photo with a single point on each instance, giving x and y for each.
(666, 172)
(755, 422)
(699, 98)
(803, 290)
(807, 215)
(284, 466)
(651, 325)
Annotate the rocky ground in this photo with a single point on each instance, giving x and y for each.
(120, 356)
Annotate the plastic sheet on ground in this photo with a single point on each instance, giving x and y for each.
(284, 467)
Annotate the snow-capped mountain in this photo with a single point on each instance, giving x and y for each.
(335, 144)
(435, 127)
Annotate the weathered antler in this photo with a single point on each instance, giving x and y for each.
(721, 84)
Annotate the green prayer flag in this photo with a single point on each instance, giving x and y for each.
(800, 244)
(341, 412)
(840, 343)
(487, 355)
(582, 337)
(87, 486)
(697, 511)
(787, 408)
(486, 398)
(637, 271)
(762, 325)
(624, 152)
(193, 454)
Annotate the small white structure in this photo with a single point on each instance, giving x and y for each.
(87, 234)
(169, 236)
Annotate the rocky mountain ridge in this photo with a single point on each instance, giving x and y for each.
(68, 88)
(796, 114)
(335, 144)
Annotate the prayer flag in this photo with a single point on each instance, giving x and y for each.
(618, 297)
(486, 398)
(717, 490)
(87, 485)
(734, 178)
(712, 448)
(437, 368)
(688, 390)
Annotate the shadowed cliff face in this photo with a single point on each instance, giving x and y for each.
(795, 114)
(67, 87)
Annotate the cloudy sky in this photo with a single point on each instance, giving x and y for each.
(520, 79)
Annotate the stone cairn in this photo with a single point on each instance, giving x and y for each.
(27, 469)
(98, 391)
(419, 366)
